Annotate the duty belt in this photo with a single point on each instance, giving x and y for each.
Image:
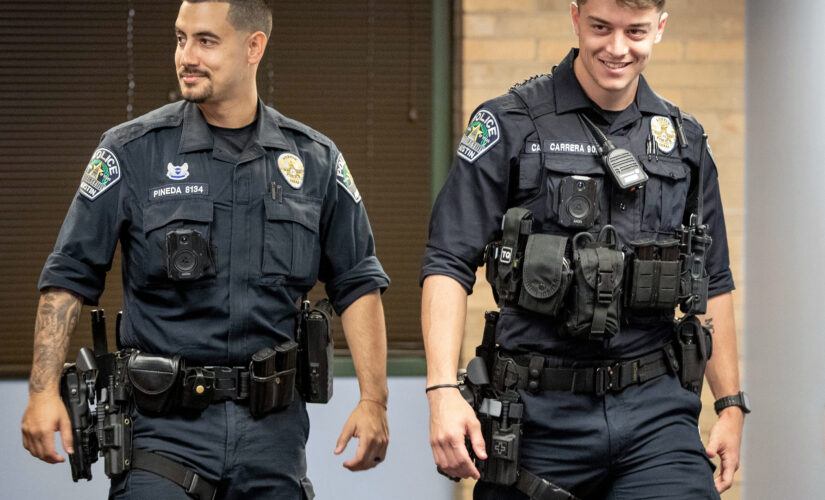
(608, 376)
(230, 382)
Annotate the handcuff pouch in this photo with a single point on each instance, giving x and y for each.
(154, 382)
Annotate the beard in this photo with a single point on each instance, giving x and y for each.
(195, 95)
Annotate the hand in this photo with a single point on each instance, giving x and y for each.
(725, 439)
(451, 419)
(368, 423)
(44, 415)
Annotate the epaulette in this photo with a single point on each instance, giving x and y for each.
(301, 128)
(525, 82)
(170, 115)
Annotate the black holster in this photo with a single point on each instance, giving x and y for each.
(694, 346)
(315, 352)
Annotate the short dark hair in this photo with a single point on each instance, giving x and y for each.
(635, 4)
(246, 15)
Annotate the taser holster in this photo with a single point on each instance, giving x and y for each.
(695, 347)
(316, 352)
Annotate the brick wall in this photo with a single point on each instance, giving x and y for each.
(699, 65)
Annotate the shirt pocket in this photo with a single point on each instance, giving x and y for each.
(159, 219)
(665, 194)
(291, 239)
(559, 167)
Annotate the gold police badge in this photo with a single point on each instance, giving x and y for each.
(662, 129)
(292, 169)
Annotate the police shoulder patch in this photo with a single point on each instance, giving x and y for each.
(482, 134)
(345, 179)
(102, 172)
(663, 132)
(292, 168)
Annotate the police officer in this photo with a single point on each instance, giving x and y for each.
(637, 441)
(266, 206)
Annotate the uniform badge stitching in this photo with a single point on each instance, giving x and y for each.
(292, 168)
(344, 178)
(482, 134)
(663, 132)
(177, 172)
(102, 172)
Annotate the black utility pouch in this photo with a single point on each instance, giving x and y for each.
(654, 278)
(272, 378)
(198, 388)
(597, 282)
(546, 274)
(695, 346)
(316, 352)
(154, 382)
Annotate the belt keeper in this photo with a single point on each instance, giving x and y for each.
(534, 371)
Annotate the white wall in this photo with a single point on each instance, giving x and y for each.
(784, 333)
(408, 473)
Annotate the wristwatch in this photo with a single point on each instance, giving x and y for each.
(740, 400)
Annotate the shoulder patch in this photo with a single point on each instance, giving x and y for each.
(663, 132)
(102, 172)
(482, 134)
(345, 178)
(292, 168)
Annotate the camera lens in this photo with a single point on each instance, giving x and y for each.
(579, 185)
(184, 238)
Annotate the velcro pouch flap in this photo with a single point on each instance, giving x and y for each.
(543, 265)
(589, 264)
(154, 381)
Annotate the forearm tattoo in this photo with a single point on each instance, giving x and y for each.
(57, 316)
(709, 325)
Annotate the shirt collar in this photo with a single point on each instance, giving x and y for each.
(196, 135)
(570, 95)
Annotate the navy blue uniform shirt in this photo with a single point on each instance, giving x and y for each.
(499, 165)
(283, 215)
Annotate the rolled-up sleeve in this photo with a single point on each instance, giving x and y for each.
(88, 237)
(467, 213)
(349, 265)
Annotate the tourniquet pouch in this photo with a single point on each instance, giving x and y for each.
(272, 378)
(154, 382)
(593, 308)
(653, 280)
(546, 274)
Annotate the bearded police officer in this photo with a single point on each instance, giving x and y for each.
(595, 204)
(227, 212)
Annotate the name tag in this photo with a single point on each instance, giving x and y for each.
(179, 190)
(562, 147)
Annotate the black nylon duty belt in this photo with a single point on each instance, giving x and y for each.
(540, 489)
(612, 376)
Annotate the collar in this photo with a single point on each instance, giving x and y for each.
(570, 95)
(196, 135)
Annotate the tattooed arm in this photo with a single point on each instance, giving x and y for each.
(57, 316)
(723, 378)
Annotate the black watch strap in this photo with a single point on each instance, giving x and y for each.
(740, 400)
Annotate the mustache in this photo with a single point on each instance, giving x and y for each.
(192, 71)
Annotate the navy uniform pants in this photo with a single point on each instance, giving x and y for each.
(246, 458)
(641, 443)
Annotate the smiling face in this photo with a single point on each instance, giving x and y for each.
(615, 44)
(210, 58)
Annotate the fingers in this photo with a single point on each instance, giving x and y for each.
(477, 440)
(450, 453)
(729, 466)
(66, 436)
(369, 426)
(344, 437)
(40, 421)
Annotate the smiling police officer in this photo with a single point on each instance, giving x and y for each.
(227, 213)
(595, 204)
